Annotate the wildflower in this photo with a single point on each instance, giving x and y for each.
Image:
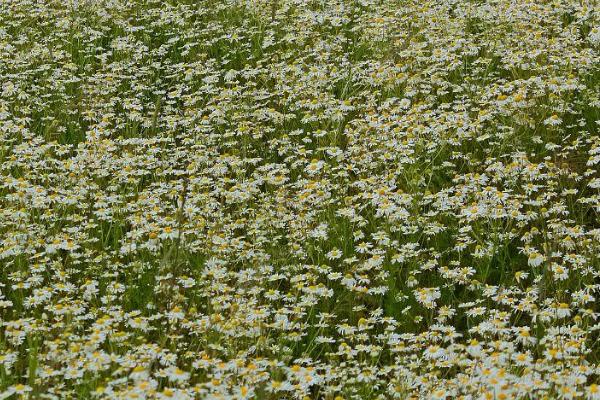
(176, 375)
(427, 296)
(197, 204)
(535, 259)
(592, 392)
(334, 254)
(553, 120)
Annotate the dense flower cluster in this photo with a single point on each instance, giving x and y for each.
(299, 199)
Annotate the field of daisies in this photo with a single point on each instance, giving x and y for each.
(300, 199)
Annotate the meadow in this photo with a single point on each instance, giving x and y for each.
(300, 199)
